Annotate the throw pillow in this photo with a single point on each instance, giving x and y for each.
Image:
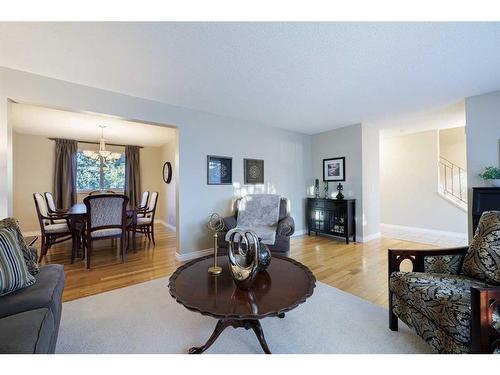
(29, 253)
(482, 260)
(14, 273)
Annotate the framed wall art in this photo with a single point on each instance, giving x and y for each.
(219, 170)
(334, 169)
(253, 171)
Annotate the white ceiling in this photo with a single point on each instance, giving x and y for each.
(308, 77)
(47, 122)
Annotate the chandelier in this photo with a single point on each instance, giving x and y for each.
(102, 153)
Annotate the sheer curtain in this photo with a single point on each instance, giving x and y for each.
(65, 173)
(132, 174)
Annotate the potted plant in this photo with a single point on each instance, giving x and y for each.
(492, 174)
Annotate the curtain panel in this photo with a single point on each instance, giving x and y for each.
(132, 174)
(65, 173)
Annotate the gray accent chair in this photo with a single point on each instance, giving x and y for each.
(30, 317)
(286, 228)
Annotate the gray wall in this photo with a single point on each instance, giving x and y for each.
(483, 135)
(286, 154)
(340, 142)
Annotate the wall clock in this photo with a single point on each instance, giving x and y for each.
(167, 172)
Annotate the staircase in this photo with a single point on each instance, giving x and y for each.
(453, 183)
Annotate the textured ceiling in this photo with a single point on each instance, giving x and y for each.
(307, 77)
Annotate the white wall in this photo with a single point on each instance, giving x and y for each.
(452, 146)
(169, 152)
(409, 185)
(483, 135)
(286, 154)
(371, 182)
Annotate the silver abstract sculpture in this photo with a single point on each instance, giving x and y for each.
(243, 253)
(216, 225)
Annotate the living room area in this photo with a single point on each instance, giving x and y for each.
(209, 187)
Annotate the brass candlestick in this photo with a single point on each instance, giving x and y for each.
(215, 224)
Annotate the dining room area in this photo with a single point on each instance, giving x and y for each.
(97, 194)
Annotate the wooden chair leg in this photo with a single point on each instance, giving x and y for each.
(43, 250)
(89, 252)
(153, 234)
(393, 319)
(122, 246)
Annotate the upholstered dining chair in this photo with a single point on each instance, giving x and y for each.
(452, 296)
(100, 192)
(145, 218)
(143, 205)
(106, 218)
(54, 227)
(52, 209)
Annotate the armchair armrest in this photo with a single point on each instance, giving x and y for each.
(229, 223)
(286, 227)
(396, 256)
(485, 332)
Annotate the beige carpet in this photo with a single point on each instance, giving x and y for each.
(144, 319)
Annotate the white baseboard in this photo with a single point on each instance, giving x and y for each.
(369, 237)
(165, 224)
(423, 235)
(193, 254)
(300, 232)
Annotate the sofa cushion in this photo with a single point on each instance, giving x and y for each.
(45, 293)
(14, 273)
(28, 332)
(30, 256)
(482, 260)
(443, 298)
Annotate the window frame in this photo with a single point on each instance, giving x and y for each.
(101, 178)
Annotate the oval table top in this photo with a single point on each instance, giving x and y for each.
(283, 286)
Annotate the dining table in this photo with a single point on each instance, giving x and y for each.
(77, 220)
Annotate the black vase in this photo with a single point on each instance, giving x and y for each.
(264, 257)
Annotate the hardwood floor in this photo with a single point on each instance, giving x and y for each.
(359, 269)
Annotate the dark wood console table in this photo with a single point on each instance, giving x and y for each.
(283, 286)
(334, 217)
(484, 199)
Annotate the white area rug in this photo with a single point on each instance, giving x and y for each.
(144, 318)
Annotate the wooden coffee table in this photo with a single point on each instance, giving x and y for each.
(283, 286)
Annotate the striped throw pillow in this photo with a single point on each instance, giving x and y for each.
(14, 273)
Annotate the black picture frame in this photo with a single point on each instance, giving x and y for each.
(219, 170)
(334, 169)
(253, 171)
(167, 172)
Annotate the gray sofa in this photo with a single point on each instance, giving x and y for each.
(286, 228)
(30, 317)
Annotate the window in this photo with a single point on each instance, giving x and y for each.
(99, 174)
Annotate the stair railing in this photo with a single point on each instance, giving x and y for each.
(453, 179)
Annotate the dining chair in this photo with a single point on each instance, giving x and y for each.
(106, 218)
(54, 227)
(145, 223)
(143, 206)
(101, 192)
(52, 209)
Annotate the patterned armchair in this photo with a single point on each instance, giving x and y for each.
(452, 296)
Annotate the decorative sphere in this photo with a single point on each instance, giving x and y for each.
(264, 257)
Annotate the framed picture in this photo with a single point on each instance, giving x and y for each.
(254, 171)
(334, 169)
(219, 170)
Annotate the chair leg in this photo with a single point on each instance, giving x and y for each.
(43, 250)
(393, 319)
(153, 234)
(122, 246)
(89, 252)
